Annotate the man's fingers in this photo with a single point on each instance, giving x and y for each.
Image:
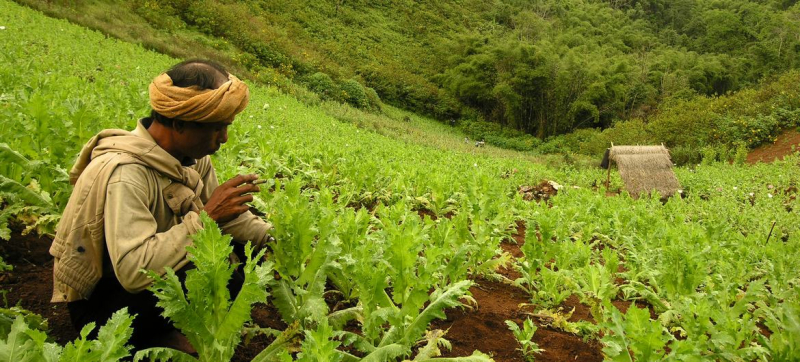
(246, 188)
(244, 199)
(233, 182)
(240, 179)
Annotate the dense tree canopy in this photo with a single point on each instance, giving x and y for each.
(542, 66)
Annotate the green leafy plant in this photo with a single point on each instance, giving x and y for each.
(785, 320)
(304, 254)
(205, 313)
(318, 345)
(26, 344)
(9, 315)
(524, 336)
(634, 337)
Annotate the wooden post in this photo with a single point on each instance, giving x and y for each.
(770, 232)
(608, 175)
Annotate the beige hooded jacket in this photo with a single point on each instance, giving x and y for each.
(136, 202)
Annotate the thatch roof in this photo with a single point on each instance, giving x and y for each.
(645, 168)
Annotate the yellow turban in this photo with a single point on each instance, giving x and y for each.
(198, 105)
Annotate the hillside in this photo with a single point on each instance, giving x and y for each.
(545, 67)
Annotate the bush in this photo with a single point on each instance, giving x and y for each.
(354, 94)
(516, 143)
(740, 155)
(497, 135)
(712, 154)
(557, 144)
(323, 85)
(374, 100)
(685, 155)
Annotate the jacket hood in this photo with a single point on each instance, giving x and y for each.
(138, 144)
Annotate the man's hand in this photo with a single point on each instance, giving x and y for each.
(229, 200)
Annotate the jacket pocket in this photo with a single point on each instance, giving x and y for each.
(180, 198)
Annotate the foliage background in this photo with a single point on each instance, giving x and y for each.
(542, 67)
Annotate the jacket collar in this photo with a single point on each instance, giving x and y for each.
(139, 144)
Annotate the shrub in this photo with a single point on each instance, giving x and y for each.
(710, 154)
(557, 144)
(323, 85)
(353, 93)
(740, 155)
(497, 135)
(685, 155)
(515, 143)
(374, 100)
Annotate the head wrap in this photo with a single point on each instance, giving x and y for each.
(198, 105)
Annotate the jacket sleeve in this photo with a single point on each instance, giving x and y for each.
(246, 227)
(132, 236)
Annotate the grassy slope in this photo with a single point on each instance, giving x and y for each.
(120, 22)
(116, 97)
(379, 39)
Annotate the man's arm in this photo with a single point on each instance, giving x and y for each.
(132, 236)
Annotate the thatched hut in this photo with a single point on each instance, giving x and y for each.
(643, 168)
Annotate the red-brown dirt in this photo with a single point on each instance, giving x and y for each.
(30, 285)
(482, 328)
(783, 146)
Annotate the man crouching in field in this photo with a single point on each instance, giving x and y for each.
(138, 196)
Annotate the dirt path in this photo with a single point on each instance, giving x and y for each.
(786, 143)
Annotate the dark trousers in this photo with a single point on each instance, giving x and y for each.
(108, 297)
(149, 326)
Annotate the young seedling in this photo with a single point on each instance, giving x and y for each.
(524, 336)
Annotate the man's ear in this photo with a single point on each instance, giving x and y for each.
(178, 125)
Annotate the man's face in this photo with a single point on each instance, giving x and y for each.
(197, 140)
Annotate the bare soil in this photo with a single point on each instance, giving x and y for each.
(481, 328)
(484, 329)
(787, 143)
(30, 284)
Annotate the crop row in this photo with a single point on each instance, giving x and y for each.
(346, 206)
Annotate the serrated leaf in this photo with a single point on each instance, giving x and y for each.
(9, 315)
(284, 300)
(18, 345)
(112, 338)
(386, 353)
(253, 291)
(163, 355)
(25, 194)
(440, 300)
(319, 345)
(339, 318)
(9, 155)
(431, 347)
(276, 351)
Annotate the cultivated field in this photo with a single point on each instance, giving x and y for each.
(392, 237)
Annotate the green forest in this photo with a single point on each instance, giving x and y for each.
(513, 73)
